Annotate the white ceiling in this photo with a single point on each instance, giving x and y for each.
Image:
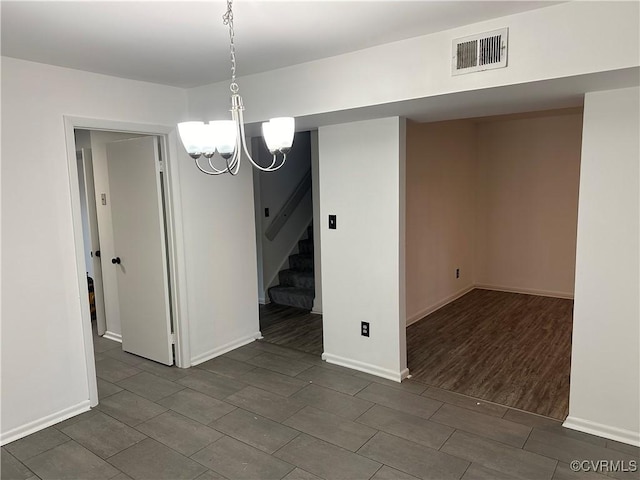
(184, 43)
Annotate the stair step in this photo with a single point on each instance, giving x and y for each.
(306, 246)
(301, 261)
(292, 296)
(310, 231)
(297, 278)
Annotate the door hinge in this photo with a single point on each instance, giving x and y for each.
(173, 339)
(161, 168)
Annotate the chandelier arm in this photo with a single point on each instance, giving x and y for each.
(218, 172)
(215, 172)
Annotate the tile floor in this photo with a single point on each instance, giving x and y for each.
(268, 412)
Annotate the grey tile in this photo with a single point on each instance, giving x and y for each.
(210, 475)
(566, 449)
(130, 408)
(11, 468)
(150, 386)
(234, 459)
(273, 382)
(278, 350)
(299, 474)
(341, 382)
(196, 405)
(103, 435)
(333, 402)
(406, 402)
(326, 460)
(624, 448)
(257, 431)
(121, 476)
(564, 472)
(407, 385)
(124, 357)
(70, 461)
(265, 403)
(331, 428)
(388, 473)
(36, 443)
(113, 370)
(226, 366)
(460, 400)
(170, 373)
(242, 354)
(412, 458)
(106, 389)
(558, 429)
(77, 418)
(101, 344)
(184, 435)
(286, 366)
(478, 472)
(150, 459)
(404, 425)
(530, 419)
(211, 384)
(504, 431)
(498, 456)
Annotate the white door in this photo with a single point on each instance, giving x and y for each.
(139, 248)
(94, 240)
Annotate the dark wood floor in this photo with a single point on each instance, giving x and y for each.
(507, 348)
(292, 328)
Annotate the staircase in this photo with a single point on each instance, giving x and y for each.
(297, 283)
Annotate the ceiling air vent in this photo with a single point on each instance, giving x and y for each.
(480, 52)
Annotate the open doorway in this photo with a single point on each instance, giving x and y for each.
(126, 247)
(491, 237)
(287, 244)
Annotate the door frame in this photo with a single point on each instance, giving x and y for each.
(174, 231)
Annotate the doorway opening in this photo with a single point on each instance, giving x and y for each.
(288, 247)
(491, 244)
(125, 246)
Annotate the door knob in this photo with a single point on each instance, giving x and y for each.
(115, 260)
(98, 253)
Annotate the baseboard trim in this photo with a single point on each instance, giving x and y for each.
(366, 367)
(613, 433)
(227, 347)
(438, 305)
(525, 291)
(113, 336)
(44, 422)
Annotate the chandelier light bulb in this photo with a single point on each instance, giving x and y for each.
(278, 134)
(191, 134)
(226, 136)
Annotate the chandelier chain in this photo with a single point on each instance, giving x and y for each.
(228, 20)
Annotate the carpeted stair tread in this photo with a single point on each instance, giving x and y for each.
(301, 261)
(297, 278)
(306, 246)
(292, 296)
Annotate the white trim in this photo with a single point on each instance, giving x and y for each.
(366, 367)
(263, 301)
(216, 352)
(116, 337)
(613, 433)
(314, 311)
(44, 422)
(526, 291)
(438, 305)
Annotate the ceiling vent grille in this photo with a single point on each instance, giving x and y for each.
(480, 52)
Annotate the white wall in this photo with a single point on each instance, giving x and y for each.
(45, 377)
(605, 360)
(441, 208)
(362, 260)
(527, 202)
(552, 42)
(275, 189)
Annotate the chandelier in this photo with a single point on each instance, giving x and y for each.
(227, 137)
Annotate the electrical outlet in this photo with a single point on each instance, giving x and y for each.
(457, 273)
(333, 222)
(364, 329)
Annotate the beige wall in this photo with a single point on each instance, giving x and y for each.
(441, 160)
(527, 203)
(496, 197)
